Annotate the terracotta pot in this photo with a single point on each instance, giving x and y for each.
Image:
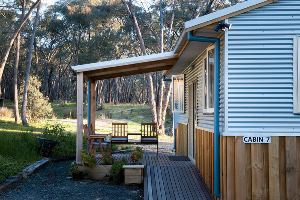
(99, 172)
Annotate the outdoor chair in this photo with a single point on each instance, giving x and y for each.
(91, 146)
(119, 133)
(149, 134)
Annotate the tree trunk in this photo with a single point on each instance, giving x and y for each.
(13, 37)
(160, 104)
(166, 100)
(16, 67)
(171, 26)
(27, 75)
(152, 99)
(161, 23)
(16, 96)
(143, 49)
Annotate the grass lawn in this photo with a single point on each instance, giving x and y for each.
(17, 149)
(18, 143)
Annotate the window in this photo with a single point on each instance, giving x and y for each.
(178, 93)
(297, 75)
(209, 78)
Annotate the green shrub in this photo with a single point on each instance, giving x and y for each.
(107, 158)
(38, 106)
(114, 147)
(88, 159)
(116, 174)
(66, 146)
(137, 154)
(76, 173)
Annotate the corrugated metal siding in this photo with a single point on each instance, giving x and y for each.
(196, 73)
(222, 86)
(260, 70)
(179, 118)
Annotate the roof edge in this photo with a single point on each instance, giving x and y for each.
(225, 13)
(124, 61)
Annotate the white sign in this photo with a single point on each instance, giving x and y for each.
(257, 140)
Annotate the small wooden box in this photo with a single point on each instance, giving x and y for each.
(134, 174)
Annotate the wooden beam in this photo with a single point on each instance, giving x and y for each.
(93, 104)
(127, 73)
(79, 117)
(153, 66)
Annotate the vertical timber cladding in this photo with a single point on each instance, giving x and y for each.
(182, 140)
(204, 156)
(260, 171)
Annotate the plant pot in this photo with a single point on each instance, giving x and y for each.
(46, 146)
(134, 174)
(96, 173)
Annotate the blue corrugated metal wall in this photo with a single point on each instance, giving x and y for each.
(260, 70)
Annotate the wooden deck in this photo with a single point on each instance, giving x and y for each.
(169, 177)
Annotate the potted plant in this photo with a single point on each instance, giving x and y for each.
(97, 172)
(76, 172)
(134, 174)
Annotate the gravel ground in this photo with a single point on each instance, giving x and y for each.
(53, 182)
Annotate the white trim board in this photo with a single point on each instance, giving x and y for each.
(259, 134)
(226, 79)
(296, 76)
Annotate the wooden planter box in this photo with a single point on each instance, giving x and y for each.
(97, 173)
(134, 174)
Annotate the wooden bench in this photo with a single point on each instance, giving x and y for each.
(149, 134)
(119, 134)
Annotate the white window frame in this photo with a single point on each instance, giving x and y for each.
(207, 109)
(179, 90)
(296, 88)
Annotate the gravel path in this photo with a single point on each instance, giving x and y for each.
(52, 182)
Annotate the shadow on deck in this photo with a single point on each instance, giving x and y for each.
(169, 177)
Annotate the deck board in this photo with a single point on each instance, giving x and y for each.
(172, 180)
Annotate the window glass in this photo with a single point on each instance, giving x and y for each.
(178, 94)
(211, 68)
(205, 83)
(209, 78)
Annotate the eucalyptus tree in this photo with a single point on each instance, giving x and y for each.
(28, 67)
(13, 35)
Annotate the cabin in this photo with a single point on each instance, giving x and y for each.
(236, 97)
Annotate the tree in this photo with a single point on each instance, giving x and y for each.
(38, 106)
(16, 96)
(29, 60)
(12, 38)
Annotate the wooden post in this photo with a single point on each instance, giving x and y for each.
(93, 104)
(79, 117)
